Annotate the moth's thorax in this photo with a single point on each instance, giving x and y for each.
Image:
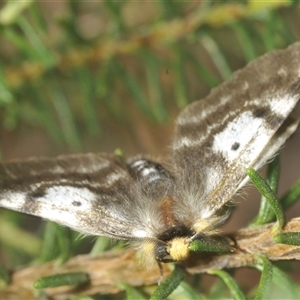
(167, 214)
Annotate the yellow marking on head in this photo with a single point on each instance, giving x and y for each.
(179, 248)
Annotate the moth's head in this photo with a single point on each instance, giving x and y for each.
(176, 249)
(170, 246)
(173, 244)
(179, 248)
(178, 242)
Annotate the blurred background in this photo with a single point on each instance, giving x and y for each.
(92, 76)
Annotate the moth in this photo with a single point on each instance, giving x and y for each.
(163, 206)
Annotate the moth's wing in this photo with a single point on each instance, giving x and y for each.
(88, 193)
(234, 128)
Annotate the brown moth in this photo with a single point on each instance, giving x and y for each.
(163, 208)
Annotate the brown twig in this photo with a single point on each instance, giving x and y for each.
(109, 269)
(251, 242)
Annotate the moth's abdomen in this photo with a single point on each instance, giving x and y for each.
(147, 170)
(153, 178)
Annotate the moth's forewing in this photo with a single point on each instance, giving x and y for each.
(84, 192)
(233, 128)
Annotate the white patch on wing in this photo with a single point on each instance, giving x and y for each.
(12, 200)
(241, 130)
(62, 216)
(62, 204)
(93, 168)
(63, 197)
(112, 178)
(186, 142)
(213, 177)
(284, 105)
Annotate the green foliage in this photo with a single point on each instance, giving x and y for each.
(169, 284)
(62, 279)
(265, 280)
(283, 286)
(210, 245)
(265, 189)
(231, 284)
(266, 213)
(289, 238)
